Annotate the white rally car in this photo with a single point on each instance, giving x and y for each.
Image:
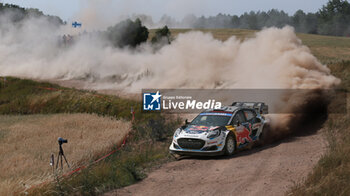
(221, 131)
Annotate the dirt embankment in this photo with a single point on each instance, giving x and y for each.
(268, 170)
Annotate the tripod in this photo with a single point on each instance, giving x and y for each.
(60, 155)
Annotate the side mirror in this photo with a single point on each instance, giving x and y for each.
(186, 122)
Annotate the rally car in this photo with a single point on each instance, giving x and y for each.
(221, 131)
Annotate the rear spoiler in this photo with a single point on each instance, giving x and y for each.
(260, 107)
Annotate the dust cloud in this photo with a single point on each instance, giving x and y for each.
(273, 59)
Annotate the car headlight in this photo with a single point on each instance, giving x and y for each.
(214, 133)
(177, 132)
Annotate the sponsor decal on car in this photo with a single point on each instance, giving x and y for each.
(197, 128)
(243, 136)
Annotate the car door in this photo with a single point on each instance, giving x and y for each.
(254, 122)
(242, 129)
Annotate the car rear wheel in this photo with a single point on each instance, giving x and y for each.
(230, 145)
(263, 137)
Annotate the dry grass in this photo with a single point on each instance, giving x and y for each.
(331, 176)
(26, 143)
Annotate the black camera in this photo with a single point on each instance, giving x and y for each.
(62, 141)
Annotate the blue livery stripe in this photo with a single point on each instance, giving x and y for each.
(215, 114)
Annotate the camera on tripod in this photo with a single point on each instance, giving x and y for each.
(62, 141)
(61, 153)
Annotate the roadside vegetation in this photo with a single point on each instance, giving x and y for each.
(145, 149)
(27, 142)
(331, 176)
(24, 131)
(20, 96)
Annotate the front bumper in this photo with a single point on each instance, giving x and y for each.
(196, 153)
(198, 145)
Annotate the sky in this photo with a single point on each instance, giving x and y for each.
(70, 9)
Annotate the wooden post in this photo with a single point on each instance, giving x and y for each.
(52, 163)
(133, 114)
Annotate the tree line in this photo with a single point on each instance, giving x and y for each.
(16, 14)
(332, 19)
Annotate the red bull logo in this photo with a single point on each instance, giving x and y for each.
(243, 136)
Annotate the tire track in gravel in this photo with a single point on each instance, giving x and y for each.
(268, 170)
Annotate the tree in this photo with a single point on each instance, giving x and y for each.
(162, 34)
(333, 8)
(127, 33)
(334, 18)
(299, 21)
(236, 21)
(252, 20)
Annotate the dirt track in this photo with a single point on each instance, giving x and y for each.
(268, 170)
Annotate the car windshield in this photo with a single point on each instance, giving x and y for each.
(212, 119)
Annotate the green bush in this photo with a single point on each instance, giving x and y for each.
(162, 34)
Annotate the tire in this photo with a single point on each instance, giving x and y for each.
(176, 156)
(230, 145)
(264, 136)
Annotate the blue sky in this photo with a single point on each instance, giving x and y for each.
(68, 10)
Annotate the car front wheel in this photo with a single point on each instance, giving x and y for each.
(230, 145)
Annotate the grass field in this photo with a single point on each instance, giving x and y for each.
(32, 116)
(26, 144)
(145, 149)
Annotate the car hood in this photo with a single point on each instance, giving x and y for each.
(196, 129)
